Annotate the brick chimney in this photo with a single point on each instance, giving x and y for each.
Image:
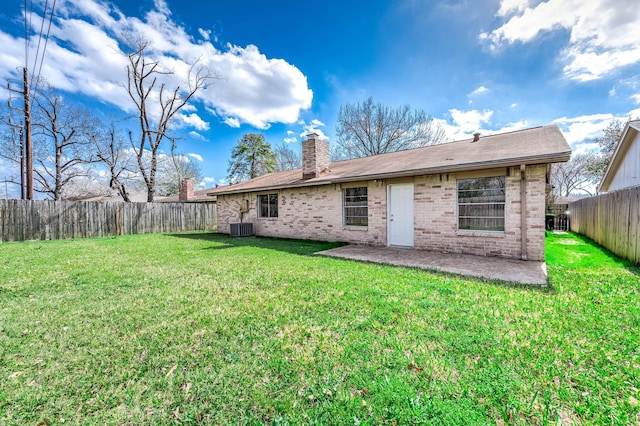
(186, 190)
(315, 156)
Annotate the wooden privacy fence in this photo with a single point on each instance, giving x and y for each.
(612, 220)
(22, 220)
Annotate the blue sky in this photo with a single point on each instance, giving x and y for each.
(287, 66)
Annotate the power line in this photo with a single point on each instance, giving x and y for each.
(27, 24)
(46, 42)
(27, 148)
(44, 15)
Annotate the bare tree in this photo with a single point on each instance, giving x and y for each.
(10, 146)
(157, 106)
(173, 170)
(573, 176)
(113, 152)
(287, 158)
(611, 135)
(369, 128)
(87, 187)
(62, 140)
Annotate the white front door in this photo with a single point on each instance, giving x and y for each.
(400, 215)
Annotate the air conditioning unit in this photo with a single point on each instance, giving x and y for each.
(242, 229)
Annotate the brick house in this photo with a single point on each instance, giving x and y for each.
(459, 197)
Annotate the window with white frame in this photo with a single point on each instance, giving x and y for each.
(268, 205)
(481, 204)
(355, 210)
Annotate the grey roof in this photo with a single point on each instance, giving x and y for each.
(199, 196)
(539, 145)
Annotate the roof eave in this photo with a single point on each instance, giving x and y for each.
(539, 159)
(614, 163)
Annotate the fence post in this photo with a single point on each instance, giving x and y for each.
(119, 221)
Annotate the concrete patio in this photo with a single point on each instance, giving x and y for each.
(493, 268)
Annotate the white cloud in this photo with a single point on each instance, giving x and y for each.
(576, 130)
(510, 127)
(258, 90)
(466, 123)
(584, 147)
(603, 37)
(508, 7)
(290, 140)
(636, 98)
(470, 121)
(313, 127)
(478, 91)
(195, 156)
(196, 135)
(290, 132)
(513, 105)
(210, 181)
(85, 55)
(232, 122)
(205, 34)
(195, 121)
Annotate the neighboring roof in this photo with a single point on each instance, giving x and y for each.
(628, 135)
(199, 196)
(570, 199)
(538, 145)
(134, 196)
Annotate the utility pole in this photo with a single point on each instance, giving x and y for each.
(19, 129)
(23, 192)
(27, 137)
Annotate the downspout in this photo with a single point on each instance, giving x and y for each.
(523, 212)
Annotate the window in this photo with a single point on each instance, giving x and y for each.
(356, 212)
(481, 203)
(268, 205)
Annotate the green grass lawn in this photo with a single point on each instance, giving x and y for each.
(205, 329)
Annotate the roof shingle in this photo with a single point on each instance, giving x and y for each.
(537, 145)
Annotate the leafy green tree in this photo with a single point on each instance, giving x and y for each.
(252, 157)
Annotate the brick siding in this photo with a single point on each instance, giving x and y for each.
(316, 213)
